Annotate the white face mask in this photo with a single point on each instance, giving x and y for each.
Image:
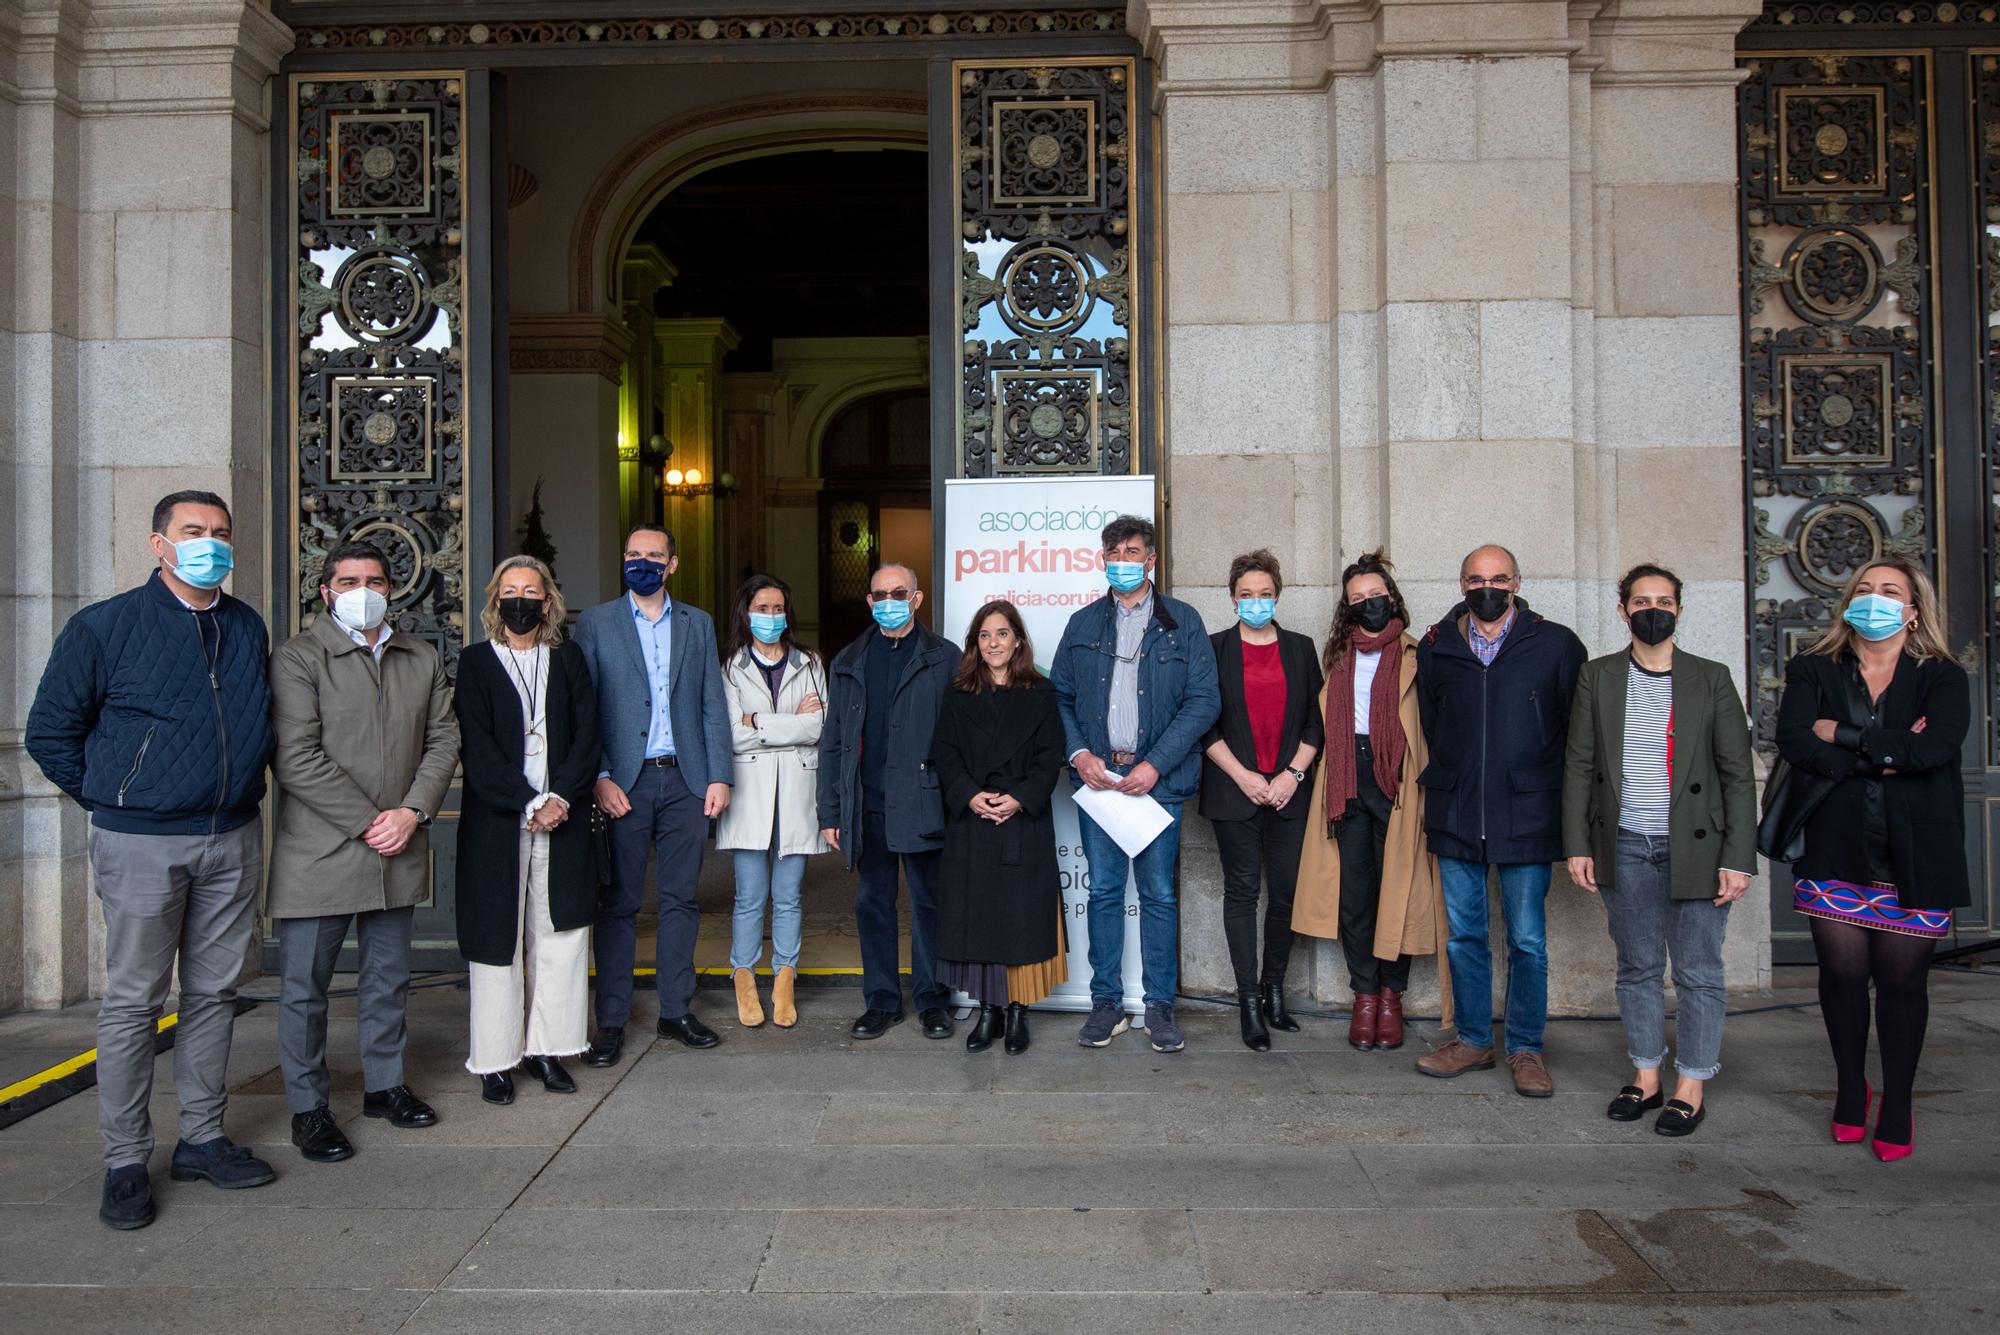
(360, 609)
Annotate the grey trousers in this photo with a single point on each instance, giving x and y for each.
(194, 897)
(1647, 923)
(307, 951)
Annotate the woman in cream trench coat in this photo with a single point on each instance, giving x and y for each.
(1410, 917)
(772, 821)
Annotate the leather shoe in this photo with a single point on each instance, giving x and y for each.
(1531, 1076)
(1250, 1014)
(128, 1198)
(688, 1030)
(319, 1137)
(605, 1048)
(936, 1021)
(985, 1030)
(401, 1108)
(1389, 1019)
(551, 1073)
(874, 1023)
(1017, 1028)
(497, 1087)
(1365, 1025)
(1455, 1059)
(1273, 1005)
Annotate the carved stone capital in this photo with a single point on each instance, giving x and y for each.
(568, 344)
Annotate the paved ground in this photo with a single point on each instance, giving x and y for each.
(800, 1182)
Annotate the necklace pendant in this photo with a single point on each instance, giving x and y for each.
(535, 743)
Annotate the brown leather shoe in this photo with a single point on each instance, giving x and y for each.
(749, 1011)
(1361, 1029)
(784, 1010)
(1389, 1020)
(1531, 1077)
(1455, 1059)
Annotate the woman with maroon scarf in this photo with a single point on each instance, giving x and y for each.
(1366, 875)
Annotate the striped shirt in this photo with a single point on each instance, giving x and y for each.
(1646, 786)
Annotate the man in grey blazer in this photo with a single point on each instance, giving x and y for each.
(666, 773)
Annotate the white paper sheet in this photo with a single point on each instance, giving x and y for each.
(1132, 822)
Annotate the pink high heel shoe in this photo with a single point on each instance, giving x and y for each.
(1889, 1153)
(1844, 1134)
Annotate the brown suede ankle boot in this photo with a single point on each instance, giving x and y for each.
(749, 1011)
(784, 1013)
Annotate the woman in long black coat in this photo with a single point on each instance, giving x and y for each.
(527, 883)
(998, 750)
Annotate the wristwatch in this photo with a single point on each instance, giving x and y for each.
(423, 817)
(1298, 775)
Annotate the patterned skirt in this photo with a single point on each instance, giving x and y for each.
(1872, 905)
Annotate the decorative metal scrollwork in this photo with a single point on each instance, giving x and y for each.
(1045, 287)
(1834, 157)
(379, 422)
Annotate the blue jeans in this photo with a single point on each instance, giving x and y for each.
(762, 874)
(1523, 888)
(1159, 914)
(1647, 922)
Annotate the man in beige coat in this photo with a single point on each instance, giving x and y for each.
(367, 746)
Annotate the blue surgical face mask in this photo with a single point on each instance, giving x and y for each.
(891, 614)
(645, 577)
(768, 627)
(1875, 617)
(203, 562)
(1125, 576)
(1256, 613)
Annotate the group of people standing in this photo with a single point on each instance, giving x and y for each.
(1367, 792)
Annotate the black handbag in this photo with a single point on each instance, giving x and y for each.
(600, 846)
(1791, 795)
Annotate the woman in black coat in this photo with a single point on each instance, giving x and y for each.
(1879, 707)
(527, 883)
(998, 750)
(1256, 785)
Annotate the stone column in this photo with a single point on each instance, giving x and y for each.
(132, 355)
(646, 271)
(690, 372)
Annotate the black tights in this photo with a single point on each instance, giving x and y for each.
(1849, 957)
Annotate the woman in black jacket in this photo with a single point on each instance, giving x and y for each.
(527, 884)
(998, 751)
(1256, 784)
(1879, 706)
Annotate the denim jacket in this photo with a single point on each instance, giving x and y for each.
(1178, 697)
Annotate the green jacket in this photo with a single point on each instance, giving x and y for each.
(1712, 820)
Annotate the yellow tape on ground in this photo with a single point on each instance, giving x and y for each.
(70, 1067)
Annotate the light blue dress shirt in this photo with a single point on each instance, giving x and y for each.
(656, 641)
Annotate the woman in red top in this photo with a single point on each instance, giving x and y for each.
(1256, 764)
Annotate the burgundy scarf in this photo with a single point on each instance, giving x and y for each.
(1385, 720)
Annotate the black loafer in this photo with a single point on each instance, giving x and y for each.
(220, 1163)
(1679, 1119)
(874, 1023)
(936, 1021)
(686, 1029)
(400, 1107)
(1632, 1104)
(319, 1137)
(551, 1073)
(128, 1197)
(606, 1047)
(497, 1087)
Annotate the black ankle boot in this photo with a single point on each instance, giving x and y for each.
(1017, 1028)
(986, 1029)
(1273, 1006)
(1255, 1036)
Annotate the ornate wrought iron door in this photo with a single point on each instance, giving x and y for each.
(1046, 287)
(1870, 194)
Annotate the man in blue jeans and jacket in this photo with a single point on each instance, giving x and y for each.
(1494, 682)
(1135, 685)
(154, 716)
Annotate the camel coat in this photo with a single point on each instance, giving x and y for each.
(1410, 918)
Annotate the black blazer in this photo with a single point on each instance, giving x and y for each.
(1221, 799)
(497, 794)
(1923, 801)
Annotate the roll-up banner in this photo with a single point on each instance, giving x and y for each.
(1036, 543)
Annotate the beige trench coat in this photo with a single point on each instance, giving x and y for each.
(354, 739)
(1409, 919)
(777, 762)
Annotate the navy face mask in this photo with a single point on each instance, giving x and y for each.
(645, 577)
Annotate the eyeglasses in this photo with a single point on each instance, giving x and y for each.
(1485, 581)
(889, 595)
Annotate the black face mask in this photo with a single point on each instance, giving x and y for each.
(1487, 603)
(520, 615)
(1372, 614)
(1652, 625)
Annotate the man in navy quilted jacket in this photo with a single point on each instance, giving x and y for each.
(154, 715)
